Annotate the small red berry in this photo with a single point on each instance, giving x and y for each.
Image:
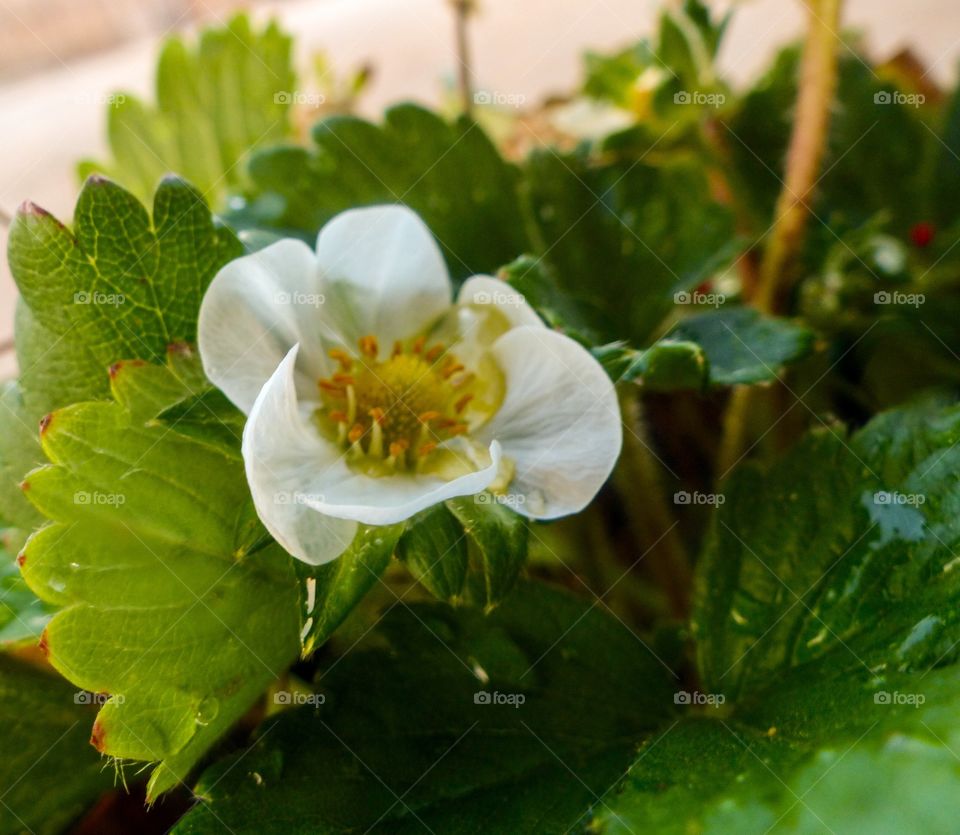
(922, 234)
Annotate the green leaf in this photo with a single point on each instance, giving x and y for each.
(405, 741)
(742, 346)
(19, 453)
(667, 365)
(497, 541)
(840, 756)
(55, 369)
(49, 773)
(435, 549)
(162, 601)
(623, 238)
(121, 283)
(450, 173)
(849, 556)
(22, 615)
(826, 616)
(216, 101)
(334, 589)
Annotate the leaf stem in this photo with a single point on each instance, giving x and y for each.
(778, 271)
(818, 80)
(639, 481)
(462, 10)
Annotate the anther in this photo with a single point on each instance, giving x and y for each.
(434, 352)
(331, 388)
(355, 434)
(418, 344)
(450, 370)
(461, 404)
(369, 346)
(345, 360)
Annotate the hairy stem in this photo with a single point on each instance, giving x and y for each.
(778, 271)
(818, 80)
(653, 528)
(462, 11)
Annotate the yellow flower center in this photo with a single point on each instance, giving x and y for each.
(393, 414)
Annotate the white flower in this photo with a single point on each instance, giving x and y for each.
(371, 396)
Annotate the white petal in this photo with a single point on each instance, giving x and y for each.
(287, 462)
(384, 272)
(256, 308)
(484, 291)
(391, 499)
(559, 423)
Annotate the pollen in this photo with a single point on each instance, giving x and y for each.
(394, 414)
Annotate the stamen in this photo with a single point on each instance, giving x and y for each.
(397, 457)
(375, 448)
(450, 370)
(434, 352)
(426, 449)
(426, 417)
(460, 382)
(459, 429)
(397, 349)
(331, 388)
(355, 434)
(418, 344)
(343, 379)
(339, 417)
(378, 415)
(461, 404)
(369, 346)
(351, 404)
(341, 356)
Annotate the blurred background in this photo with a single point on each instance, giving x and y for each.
(60, 60)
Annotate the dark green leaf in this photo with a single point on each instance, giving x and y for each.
(435, 549)
(49, 774)
(451, 174)
(497, 540)
(741, 346)
(406, 740)
(334, 589)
